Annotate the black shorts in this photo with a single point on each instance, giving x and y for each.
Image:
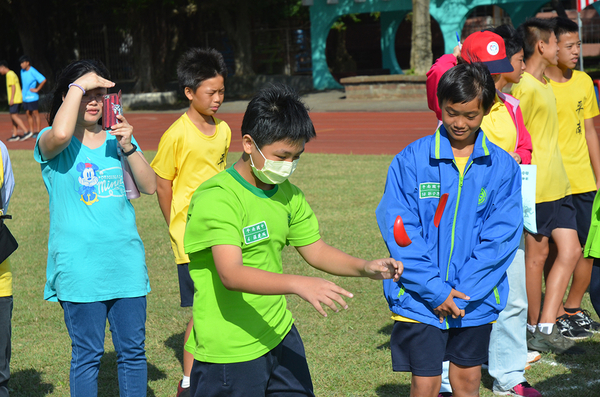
(421, 348)
(583, 203)
(31, 106)
(186, 285)
(14, 109)
(558, 214)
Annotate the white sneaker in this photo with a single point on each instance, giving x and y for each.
(533, 356)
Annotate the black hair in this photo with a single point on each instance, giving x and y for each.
(466, 82)
(513, 41)
(276, 113)
(4, 63)
(534, 30)
(68, 75)
(564, 25)
(199, 64)
(24, 58)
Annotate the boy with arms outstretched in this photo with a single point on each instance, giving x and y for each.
(454, 283)
(243, 326)
(578, 142)
(191, 151)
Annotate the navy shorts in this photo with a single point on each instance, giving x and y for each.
(186, 285)
(558, 214)
(421, 348)
(14, 109)
(30, 106)
(583, 203)
(282, 371)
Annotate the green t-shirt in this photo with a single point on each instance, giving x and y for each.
(232, 326)
(592, 244)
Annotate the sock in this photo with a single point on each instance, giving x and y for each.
(185, 383)
(545, 328)
(531, 328)
(570, 312)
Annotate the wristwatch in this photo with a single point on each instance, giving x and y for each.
(132, 151)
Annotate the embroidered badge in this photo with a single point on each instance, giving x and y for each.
(482, 196)
(255, 233)
(429, 190)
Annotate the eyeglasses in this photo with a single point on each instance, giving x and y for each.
(90, 97)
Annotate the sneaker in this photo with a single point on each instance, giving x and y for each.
(15, 138)
(570, 329)
(27, 136)
(522, 389)
(584, 320)
(533, 356)
(182, 392)
(554, 342)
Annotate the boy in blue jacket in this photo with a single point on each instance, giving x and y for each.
(454, 282)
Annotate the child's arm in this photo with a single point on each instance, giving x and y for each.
(441, 66)
(333, 261)
(593, 144)
(164, 191)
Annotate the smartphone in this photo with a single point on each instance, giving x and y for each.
(112, 108)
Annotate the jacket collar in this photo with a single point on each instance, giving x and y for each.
(441, 149)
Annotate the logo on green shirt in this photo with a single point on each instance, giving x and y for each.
(255, 233)
(429, 190)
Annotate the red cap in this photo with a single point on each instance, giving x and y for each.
(488, 48)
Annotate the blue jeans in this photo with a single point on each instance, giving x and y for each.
(508, 340)
(86, 323)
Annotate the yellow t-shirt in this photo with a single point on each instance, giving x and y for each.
(5, 272)
(576, 101)
(12, 79)
(538, 105)
(499, 127)
(461, 163)
(188, 157)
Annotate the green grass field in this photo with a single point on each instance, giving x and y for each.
(348, 352)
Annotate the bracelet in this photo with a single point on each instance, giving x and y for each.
(78, 86)
(132, 151)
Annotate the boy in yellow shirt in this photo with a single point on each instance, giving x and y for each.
(554, 206)
(15, 99)
(578, 143)
(191, 151)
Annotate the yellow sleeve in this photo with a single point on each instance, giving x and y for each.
(166, 161)
(590, 107)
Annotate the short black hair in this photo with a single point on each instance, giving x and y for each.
(466, 82)
(276, 113)
(534, 30)
(4, 63)
(199, 64)
(564, 25)
(24, 58)
(513, 41)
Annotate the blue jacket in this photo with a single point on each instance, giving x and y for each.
(477, 237)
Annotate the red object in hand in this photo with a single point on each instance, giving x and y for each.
(400, 235)
(440, 210)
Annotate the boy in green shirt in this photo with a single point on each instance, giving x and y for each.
(235, 259)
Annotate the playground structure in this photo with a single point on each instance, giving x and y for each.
(451, 16)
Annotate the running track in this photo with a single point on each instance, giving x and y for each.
(337, 132)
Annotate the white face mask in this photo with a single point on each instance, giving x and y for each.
(273, 172)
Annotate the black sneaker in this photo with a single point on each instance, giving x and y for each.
(27, 136)
(570, 329)
(584, 320)
(553, 342)
(15, 138)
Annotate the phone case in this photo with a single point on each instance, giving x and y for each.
(112, 107)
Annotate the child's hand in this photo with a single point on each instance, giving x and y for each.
(449, 308)
(91, 80)
(380, 269)
(123, 132)
(516, 157)
(317, 291)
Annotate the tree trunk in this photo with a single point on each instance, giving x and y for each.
(421, 56)
(236, 21)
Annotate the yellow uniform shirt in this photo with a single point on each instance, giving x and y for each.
(576, 101)
(538, 105)
(188, 157)
(5, 272)
(13, 80)
(499, 127)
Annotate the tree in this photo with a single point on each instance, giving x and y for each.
(421, 57)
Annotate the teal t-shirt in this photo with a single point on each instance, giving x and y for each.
(232, 326)
(94, 250)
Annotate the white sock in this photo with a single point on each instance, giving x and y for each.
(185, 383)
(546, 328)
(531, 328)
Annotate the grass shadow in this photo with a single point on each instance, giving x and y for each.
(393, 390)
(175, 343)
(28, 383)
(385, 330)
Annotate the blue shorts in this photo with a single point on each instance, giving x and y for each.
(186, 285)
(583, 203)
(422, 348)
(558, 214)
(31, 106)
(282, 371)
(14, 109)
